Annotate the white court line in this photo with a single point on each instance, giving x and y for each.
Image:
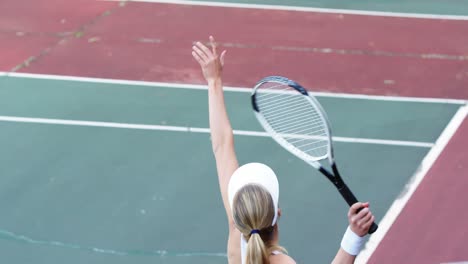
(227, 88)
(301, 9)
(196, 130)
(412, 185)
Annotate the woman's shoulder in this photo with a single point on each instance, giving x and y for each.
(281, 259)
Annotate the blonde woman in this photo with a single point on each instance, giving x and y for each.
(250, 193)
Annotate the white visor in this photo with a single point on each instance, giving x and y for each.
(255, 173)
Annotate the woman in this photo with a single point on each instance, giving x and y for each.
(250, 192)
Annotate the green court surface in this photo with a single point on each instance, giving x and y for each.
(93, 194)
(455, 7)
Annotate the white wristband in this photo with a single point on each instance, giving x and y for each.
(352, 243)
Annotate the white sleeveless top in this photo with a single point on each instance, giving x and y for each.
(244, 249)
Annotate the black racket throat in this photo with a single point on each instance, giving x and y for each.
(336, 179)
(345, 192)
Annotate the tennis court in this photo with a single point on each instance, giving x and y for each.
(105, 146)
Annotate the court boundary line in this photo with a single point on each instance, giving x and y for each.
(53, 121)
(301, 9)
(400, 202)
(227, 88)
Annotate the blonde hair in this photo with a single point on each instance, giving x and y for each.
(253, 209)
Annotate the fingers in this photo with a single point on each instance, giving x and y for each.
(200, 52)
(357, 218)
(211, 63)
(207, 52)
(197, 58)
(360, 218)
(354, 209)
(214, 45)
(221, 58)
(363, 217)
(368, 224)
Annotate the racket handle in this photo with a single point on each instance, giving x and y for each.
(351, 199)
(348, 195)
(373, 228)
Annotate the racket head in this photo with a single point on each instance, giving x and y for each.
(293, 118)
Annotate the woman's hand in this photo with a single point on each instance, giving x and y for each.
(360, 218)
(209, 60)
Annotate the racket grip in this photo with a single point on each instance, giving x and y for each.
(373, 228)
(347, 195)
(351, 199)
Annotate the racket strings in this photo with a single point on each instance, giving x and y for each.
(278, 110)
(282, 101)
(277, 119)
(292, 117)
(279, 122)
(299, 120)
(282, 121)
(307, 129)
(277, 92)
(287, 126)
(315, 148)
(314, 144)
(302, 143)
(302, 138)
(282, 106)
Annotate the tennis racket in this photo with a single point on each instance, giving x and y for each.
(297, 121)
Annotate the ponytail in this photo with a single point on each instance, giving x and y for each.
(257, 252)
(253, 213)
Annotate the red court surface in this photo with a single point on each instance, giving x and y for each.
(16, 49)
(30, 29)
(50, 16)
(371, 55)
(432, 228)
